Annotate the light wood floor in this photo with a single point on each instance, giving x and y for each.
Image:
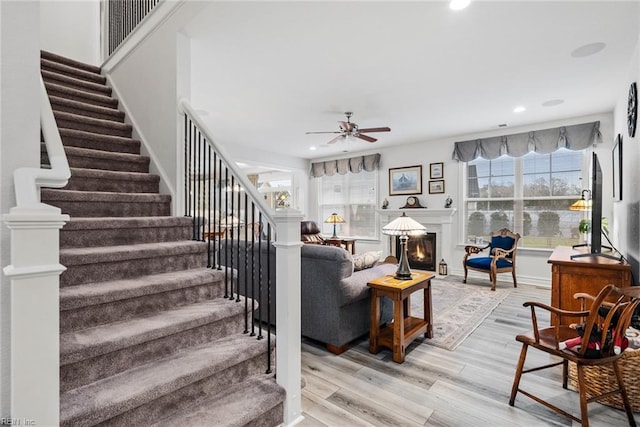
(434, 387)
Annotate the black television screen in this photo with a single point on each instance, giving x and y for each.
(596, 206)
(595, 247)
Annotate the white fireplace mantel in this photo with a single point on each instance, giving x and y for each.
(439, 221)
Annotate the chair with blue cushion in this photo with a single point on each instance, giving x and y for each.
(501, 256)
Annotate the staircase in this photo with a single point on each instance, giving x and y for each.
(146, 336)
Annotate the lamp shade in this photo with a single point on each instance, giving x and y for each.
(404, 226)
(334, 219)
(583, 204)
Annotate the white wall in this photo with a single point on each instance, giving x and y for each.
(626, 229)
(19, 146)
(532, 264)
(71, 29)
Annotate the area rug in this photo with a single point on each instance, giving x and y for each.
(458, 309)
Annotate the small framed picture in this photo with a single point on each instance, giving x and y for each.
(436, 170)
(436, 187)
(407, 180)
(617, 169)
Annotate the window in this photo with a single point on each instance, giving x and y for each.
(530, 195)
(276, 186)
(352, 196)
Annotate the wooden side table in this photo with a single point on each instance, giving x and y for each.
(404, 329)
(347, 243)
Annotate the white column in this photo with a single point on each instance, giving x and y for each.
(288, 341)
(35, 334)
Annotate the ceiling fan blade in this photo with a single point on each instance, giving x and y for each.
(336, 139)
(365, 137)
(313, 132)
(382, 129)
(346, 126)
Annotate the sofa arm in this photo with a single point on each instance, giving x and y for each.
(354, 288)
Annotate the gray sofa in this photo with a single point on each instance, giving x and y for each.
(335, 300)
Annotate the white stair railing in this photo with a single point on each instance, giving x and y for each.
(35, 278)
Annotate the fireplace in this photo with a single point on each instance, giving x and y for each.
(421, 251)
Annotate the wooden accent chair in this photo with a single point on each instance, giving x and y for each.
(310, 233)
(501, 259)
(611, 317)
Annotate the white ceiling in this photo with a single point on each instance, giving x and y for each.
(265, 72)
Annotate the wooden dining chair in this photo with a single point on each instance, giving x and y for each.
(604, 324)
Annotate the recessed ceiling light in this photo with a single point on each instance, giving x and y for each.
(519, 109)
(552, 102)
(458, 4)
(313, 148)
(588, 50)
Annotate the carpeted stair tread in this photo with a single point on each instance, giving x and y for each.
(89, 294)
(85, 109)
(92, 125)
(103, 339)
(112, 181)
(78, 73)
(55, 89)
(81, 256)
(106, 160)
(107, 204)
(68, 61)
(113, 231)
(239, 405)
(104, 399)
(127, 222)
(97, 173)
(103, 196)
(75, 83)
(89, 140)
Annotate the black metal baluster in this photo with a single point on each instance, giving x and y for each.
(233, 235)
(253, 275)
(226, 228)
(208, 216)
(269, 302)
(246, 263)
(239, 217)
(196, 192)
(186, 168)
(219, 211)
(260, 302)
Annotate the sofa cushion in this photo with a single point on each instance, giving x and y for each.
(366, 260)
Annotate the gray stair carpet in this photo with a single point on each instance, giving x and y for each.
(146, 334)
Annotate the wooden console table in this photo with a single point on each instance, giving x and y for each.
(586, 274)
(404, 329)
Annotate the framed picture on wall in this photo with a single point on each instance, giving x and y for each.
(436, 170)
(407, 180)
(436, 187)
(617, 169)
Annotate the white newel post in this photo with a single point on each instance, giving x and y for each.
(288, 341)
(35, 334)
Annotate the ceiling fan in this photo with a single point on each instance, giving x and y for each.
(348, 129)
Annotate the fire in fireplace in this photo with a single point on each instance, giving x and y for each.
(421, 251)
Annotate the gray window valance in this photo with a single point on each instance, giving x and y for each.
(575, 137)
(368, 163)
